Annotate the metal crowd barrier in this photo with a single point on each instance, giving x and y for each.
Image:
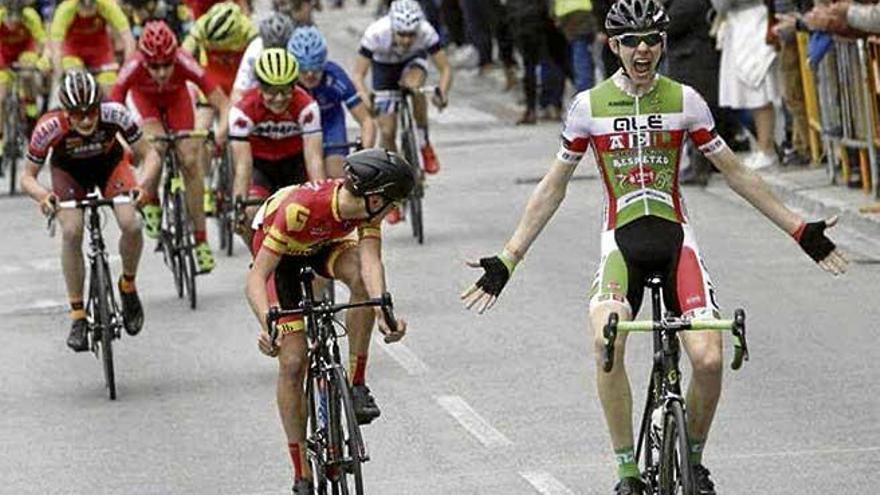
(842, 99)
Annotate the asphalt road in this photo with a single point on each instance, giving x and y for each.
(503, 403)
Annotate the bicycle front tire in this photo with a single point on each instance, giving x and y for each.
(345, 436)
(104, 323)
(676, 473)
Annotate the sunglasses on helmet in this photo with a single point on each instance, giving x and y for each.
(634, 40)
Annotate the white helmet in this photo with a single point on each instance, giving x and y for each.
(406, 15)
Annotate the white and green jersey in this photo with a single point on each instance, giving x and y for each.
(638, 143)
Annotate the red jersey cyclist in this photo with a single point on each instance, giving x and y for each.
(21, 42)
(313, 225)
(275, 131)
(155, 81)
(83, 140)
(79, 37)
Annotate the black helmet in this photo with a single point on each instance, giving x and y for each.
(275, 30)
(635, 15)
(78, 91)
(377, 171)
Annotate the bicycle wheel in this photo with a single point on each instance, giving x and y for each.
(189, 274)
(415, 210)
(183, 241)
(316, 431)
(171, 238)
(345, 440)
(104, 324)
(676, 473)
(411, 154)
(10, 144)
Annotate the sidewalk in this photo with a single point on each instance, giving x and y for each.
(807, 190)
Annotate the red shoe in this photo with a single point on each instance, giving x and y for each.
(393, 216)
(432, 166)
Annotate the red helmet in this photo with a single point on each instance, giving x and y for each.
(158, 42)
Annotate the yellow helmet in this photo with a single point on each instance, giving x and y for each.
(276, 67)
(224, 21)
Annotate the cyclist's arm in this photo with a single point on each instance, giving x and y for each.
(114, 15)
(244, 163)
(751, 187)
(29, 183)
(61, 21)
(366, 123)
(441, 61)
(218, 100)
(263, 267)
(359, 76)
(139, 150)
(542, 205)
(313, 153)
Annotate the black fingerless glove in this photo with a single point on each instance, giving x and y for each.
(496, 275)
(811, 237)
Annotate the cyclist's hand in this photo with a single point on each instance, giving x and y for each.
(49, 204)
(138, 196)
(484, 293)
(440, 100)
(266, 347)
(386, 329)
(812, 239)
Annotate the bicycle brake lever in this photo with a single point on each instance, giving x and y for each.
(388, 312)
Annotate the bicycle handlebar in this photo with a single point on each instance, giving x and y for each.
(325, 309)
(91, 201)
(174, 136)
(737, 327)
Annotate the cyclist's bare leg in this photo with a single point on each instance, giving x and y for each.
(204, 119)
(614, 388)
(333, 164)
(71, 252)
(152, 165)
(705, 352)
(414, 78)
(359, 321)
(194, 180)
(131, 242)
(292, 365)
(247, 235)
(388, 128)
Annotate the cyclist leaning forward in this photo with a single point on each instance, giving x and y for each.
(331, 87)
(636, 123)
(155, 83)
(313, 225)
(275, 132)
(397, 47)
(86, 152)
(79, 37)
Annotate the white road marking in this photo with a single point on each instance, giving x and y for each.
(473, 422)
(405, 357)
(545, 483)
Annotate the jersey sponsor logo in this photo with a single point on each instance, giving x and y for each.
(630, 140)
(631, 123)
(643, 176)
(241, 123)
(277, 130)
(646, 158)
(115, 113)
(620, 103)
(309, 118)
(46, 132)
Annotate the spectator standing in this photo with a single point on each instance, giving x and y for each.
(576, 21)
(485, 21)
(609, 59)
(795, 152)
(748, 74)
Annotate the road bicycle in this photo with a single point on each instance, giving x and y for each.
(663, 438)
(334, 444)
(103, 314)
(175, 233)
(409, 149)
(224, 208)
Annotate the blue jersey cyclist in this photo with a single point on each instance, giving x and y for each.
(331, 87)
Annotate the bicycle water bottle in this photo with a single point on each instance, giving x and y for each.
(656, 433)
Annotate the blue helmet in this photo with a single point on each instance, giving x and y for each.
(309, 47)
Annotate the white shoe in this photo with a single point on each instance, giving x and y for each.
(760, 160)
(465, 57)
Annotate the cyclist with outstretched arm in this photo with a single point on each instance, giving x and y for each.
(637, 123)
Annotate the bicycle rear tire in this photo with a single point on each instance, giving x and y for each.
(103, 322)
(316, 432)
(345, 436)
(11, 150)
(183, 241)
(415, 211)
(411, 154)
(676, 473)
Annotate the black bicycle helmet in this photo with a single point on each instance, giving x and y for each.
(377, 171)
(626, 16)
(79, 91)
(275, 30)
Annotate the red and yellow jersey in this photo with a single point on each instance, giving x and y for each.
(226, 53)
(299, 220)
(78, 31)
(21, 36)
(274, 136)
